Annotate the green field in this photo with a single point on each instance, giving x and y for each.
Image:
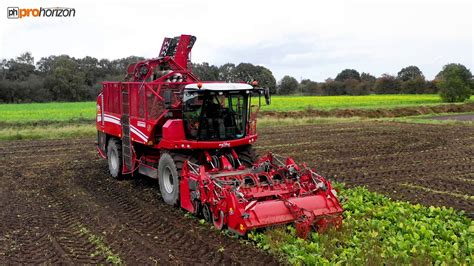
(290, 103)
(65, 120)
(86, 110)
(46, 111)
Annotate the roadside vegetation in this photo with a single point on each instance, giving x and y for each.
(378, 230)
(429, 119)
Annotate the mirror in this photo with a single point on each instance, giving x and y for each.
(168, 95)
(266, 92)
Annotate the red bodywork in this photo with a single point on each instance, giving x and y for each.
(273, 191)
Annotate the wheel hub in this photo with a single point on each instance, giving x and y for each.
(168, 181)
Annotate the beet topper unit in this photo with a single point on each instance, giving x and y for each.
(195, 138)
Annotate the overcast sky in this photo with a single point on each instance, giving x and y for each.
(304, 39)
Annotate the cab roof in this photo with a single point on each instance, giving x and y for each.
(219, 86)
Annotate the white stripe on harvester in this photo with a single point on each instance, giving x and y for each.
(138, 131)
(250, 205)
(108, 119)
(112, 117)
(116, 120)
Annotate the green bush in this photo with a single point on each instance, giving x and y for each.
(455, 83)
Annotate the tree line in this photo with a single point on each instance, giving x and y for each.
(57, 78)
(409, 80)
(65, 78)
(454, 82)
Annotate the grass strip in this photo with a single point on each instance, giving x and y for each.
(47, 132)
(62, 111)
(47, 129)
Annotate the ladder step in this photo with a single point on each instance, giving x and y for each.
(126, 141)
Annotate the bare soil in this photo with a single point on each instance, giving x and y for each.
(427, 164)
(51, 190)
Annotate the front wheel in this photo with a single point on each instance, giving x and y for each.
(247, 155)
(169, 171)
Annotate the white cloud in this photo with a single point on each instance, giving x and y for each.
(308, 39)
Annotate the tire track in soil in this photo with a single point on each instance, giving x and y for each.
(48, 189)
(41, 226)
(163, 220)
(46, 197)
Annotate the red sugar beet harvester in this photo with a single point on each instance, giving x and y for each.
(196, 138)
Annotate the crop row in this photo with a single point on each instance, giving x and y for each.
(378, 230)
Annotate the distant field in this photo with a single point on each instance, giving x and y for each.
(46, 111)
(86, 110)
(289, 103)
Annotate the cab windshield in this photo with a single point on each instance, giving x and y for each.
(215, 115)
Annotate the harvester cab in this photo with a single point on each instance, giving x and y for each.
(219, 111)
(197, 137)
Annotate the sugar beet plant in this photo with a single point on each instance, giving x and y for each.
(378, 230)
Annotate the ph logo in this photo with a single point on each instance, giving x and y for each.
(13, 12)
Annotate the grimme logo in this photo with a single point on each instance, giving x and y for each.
(61, 12)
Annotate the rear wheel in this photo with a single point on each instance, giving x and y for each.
(169, 174)
(114, 158)
(247, 155)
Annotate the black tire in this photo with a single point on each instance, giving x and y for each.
(169, 174)
(247, 155)
(114, 158)
(206, 213)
